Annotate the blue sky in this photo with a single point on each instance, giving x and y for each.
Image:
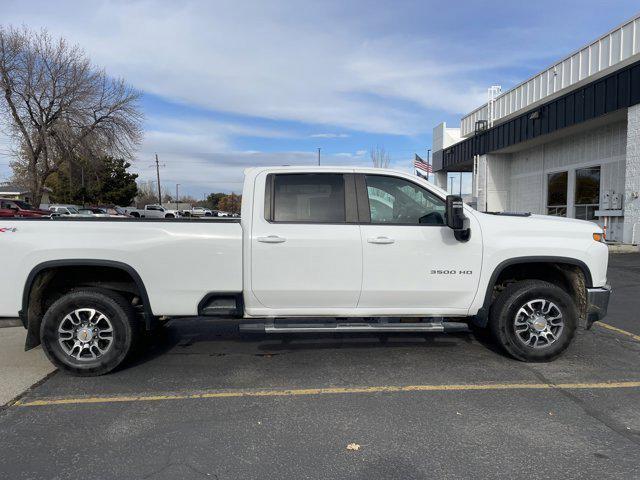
(231, 84)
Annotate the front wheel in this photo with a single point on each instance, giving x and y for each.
(88, 332)
(533, 320)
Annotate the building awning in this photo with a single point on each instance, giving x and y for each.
(616, 91)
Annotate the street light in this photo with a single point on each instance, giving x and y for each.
(177, 198)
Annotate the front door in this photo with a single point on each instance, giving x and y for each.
(305, 253)
(411, 260)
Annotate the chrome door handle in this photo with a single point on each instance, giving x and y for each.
(381, 240)
(271, 239)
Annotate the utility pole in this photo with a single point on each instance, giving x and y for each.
(319, 156)
(177, 198)
(158, 175)
(460, 183)
(82, 182)
(428, 161)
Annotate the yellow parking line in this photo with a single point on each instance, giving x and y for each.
(325, 391)
(619, 330)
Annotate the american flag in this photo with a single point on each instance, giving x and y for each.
(420, 164)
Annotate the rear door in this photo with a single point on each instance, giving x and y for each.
(411, 260)
(306, 249)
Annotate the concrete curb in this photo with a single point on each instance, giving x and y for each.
(623, 248)
(19, 370)
(10, 322)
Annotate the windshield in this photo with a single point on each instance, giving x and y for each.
(72, 210)
(23, 205)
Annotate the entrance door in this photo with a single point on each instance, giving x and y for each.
(305, 253)
(411, 259)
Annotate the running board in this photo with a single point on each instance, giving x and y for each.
(395, 327)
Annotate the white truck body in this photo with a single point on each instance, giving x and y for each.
(279, 268)
(321, 269)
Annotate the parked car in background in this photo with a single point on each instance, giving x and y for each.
(7, 212)
(18, 208)
(200, 212)
(114, 211)
(66, 210)
(220, 213)
(152, 211)
(93, 212)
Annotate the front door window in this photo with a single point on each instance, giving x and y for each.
(394, 200)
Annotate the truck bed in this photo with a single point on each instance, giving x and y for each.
(178, 260)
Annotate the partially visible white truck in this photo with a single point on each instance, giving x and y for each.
(198, 212)
(318, 249)
(152, 211)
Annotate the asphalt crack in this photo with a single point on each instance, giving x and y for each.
(598, 415)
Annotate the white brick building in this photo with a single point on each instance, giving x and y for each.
(564, 142)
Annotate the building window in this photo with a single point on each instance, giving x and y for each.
(309, 198)
(587, 199)
(557, 194)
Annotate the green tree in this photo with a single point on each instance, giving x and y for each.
(103, 181)
(213, 200)
(116, 184)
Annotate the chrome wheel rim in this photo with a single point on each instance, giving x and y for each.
(538, 323)
(85, 334)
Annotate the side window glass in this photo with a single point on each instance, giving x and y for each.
(395, 200)
(309, 198)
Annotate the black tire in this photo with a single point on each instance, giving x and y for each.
(505, 308)
(115, 308)
(135, 214)
(169, 215)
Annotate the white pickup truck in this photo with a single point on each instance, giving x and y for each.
(317, 249)
(152, 211)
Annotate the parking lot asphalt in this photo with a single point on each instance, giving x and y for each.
(624, 276)
(204, 402)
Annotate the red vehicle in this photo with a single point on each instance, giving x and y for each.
(18, 208)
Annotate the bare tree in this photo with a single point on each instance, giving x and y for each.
(379, 157)
(60, 108)
(147, 194)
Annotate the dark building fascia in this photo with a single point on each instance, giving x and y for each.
(618, 90)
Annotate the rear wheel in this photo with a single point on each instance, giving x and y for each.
(169, 215)
(533, 320)
(88, 332)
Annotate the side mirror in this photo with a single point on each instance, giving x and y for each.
(456, 219)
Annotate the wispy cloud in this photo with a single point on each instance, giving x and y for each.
(330, 135)
(262, 59)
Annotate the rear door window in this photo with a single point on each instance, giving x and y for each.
(309, 198)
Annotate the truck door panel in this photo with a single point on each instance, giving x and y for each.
(410, 257)
(304, 251)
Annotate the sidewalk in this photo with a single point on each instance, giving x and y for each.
(19, 370)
